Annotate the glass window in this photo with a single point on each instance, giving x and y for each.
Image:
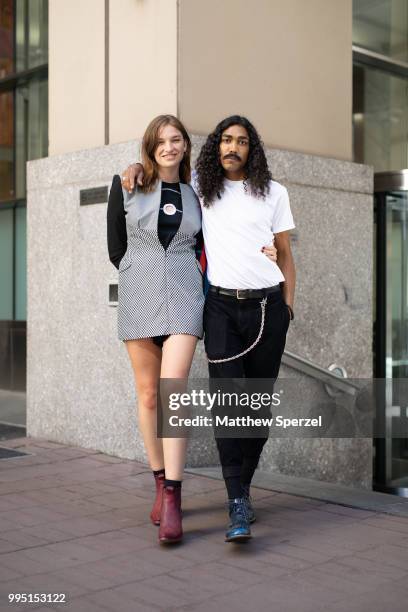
(21, 268)
(382, 26)
(380, 119)
(31, 127)
(21, 60)
(6, 264)
(23, 136)
(38, 33)
(6, 146)
(31, 33)
(6, 38)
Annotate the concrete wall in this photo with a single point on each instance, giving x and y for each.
(79, 382)
(286, 65)
(332, 244)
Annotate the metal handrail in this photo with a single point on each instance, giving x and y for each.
(315, 371)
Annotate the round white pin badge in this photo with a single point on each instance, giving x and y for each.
(169, 209)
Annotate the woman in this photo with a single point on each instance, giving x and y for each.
(160, 294)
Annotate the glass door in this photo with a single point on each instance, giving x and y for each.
(391, 330)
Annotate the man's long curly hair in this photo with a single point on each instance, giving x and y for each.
(210, 173)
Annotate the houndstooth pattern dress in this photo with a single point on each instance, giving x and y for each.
(160, 291)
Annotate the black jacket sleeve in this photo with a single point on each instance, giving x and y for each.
(116, 223)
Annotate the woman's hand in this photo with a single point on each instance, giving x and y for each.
(270, 251)
(133, 173)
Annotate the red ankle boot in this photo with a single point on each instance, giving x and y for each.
(170, 519)
(156, 510)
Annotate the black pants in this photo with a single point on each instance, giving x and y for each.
(230, 326)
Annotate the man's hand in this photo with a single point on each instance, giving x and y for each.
(270, 251)
(133, 173)
(287, 266)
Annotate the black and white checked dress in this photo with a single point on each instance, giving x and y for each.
(160, 291)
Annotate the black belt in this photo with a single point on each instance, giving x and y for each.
(245, 294)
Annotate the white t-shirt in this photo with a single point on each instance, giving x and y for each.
(236, 227)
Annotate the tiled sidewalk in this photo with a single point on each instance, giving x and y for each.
(76, 521)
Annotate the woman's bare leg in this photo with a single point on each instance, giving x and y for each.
(145, 358)
(178, 352)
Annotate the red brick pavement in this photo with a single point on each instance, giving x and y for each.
(75, 521)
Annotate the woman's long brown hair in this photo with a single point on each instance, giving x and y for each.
(149, 145)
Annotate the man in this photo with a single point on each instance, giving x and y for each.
(250, 299)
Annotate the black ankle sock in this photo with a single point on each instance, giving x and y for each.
(233, 487)
(158, 472)
(172, 483)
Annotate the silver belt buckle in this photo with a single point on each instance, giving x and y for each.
(240, 298)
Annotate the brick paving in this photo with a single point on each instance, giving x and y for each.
(76, 521)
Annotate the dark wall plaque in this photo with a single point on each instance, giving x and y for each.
(95, 195)
(113, 294)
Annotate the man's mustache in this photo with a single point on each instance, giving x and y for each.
(232, 156)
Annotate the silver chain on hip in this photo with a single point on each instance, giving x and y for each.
(263, 304)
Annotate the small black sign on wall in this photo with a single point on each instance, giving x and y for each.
(113, 294)
(95, 195)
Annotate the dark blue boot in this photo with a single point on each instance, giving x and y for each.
(248, 499)
(239, 529)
